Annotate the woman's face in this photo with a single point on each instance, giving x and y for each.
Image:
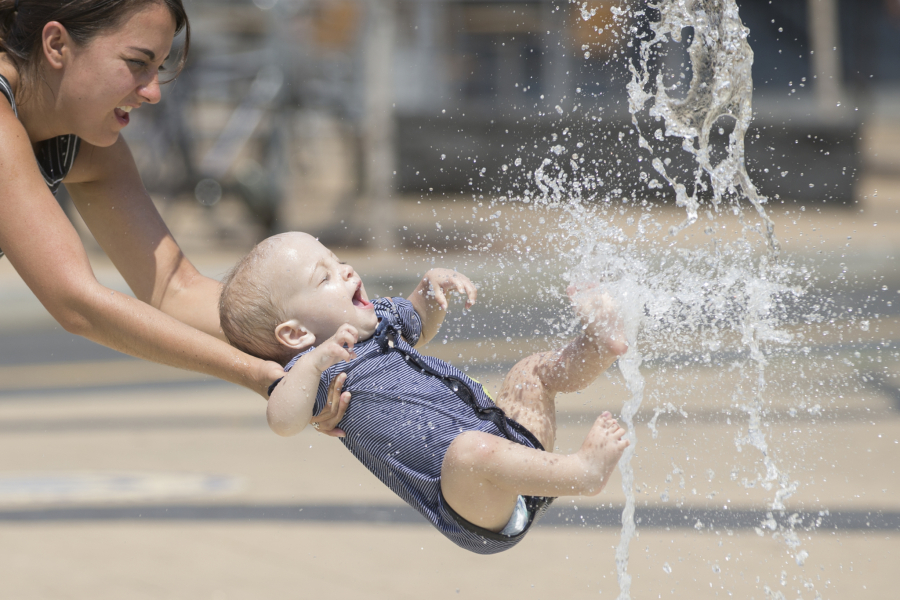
(115, 72)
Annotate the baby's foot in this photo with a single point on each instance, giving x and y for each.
(599, 318)
(600, 452)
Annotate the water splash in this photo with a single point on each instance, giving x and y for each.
(721, 301)
(701, 300)
(721, 86)
(706, 293)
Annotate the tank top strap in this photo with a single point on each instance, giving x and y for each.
(55, 156)
(6, 89)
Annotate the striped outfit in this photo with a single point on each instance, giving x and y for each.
(406, 410)
(55, 156)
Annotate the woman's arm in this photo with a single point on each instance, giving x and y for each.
(46, 251)
(108, 193)
(429, 299)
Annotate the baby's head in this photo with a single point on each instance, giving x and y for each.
(288, 294)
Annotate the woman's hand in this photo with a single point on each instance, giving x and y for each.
(335, 349)
(327, 420)
(268, 373)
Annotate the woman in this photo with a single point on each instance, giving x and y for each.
(72, 71)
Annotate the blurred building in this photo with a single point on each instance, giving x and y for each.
(309, 109)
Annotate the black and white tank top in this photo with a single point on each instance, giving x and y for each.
(55, 156)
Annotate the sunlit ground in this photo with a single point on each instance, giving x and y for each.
(830, 426)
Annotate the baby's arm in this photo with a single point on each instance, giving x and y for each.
(292, 402)
(429, 299)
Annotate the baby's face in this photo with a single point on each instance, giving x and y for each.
(319, 290)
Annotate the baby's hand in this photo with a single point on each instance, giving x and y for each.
(438, 282)
(337, 348)
(600, 318)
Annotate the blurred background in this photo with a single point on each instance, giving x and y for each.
(395, 130)
(329, 116)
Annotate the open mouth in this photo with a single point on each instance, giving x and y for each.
(122, 115)
(358, 300)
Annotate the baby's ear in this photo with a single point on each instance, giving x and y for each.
(294, 335)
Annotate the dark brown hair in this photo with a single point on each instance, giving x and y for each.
(22, 24)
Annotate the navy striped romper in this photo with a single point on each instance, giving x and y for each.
(406, 410)
(55, 156)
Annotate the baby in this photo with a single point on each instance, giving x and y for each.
(480, 470)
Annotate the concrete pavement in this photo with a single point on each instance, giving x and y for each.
(123, 479)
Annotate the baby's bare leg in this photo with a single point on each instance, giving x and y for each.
(529, 391)
(483, 475)
(528, 394)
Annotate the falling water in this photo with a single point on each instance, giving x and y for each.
(731, 287)
(726, 293)
(721, 303)
(721, 86)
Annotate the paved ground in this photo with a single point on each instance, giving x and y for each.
(121, 479)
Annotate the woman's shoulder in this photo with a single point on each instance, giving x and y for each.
(12, 132)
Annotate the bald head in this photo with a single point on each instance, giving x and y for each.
(290, 293)
(251, 303)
